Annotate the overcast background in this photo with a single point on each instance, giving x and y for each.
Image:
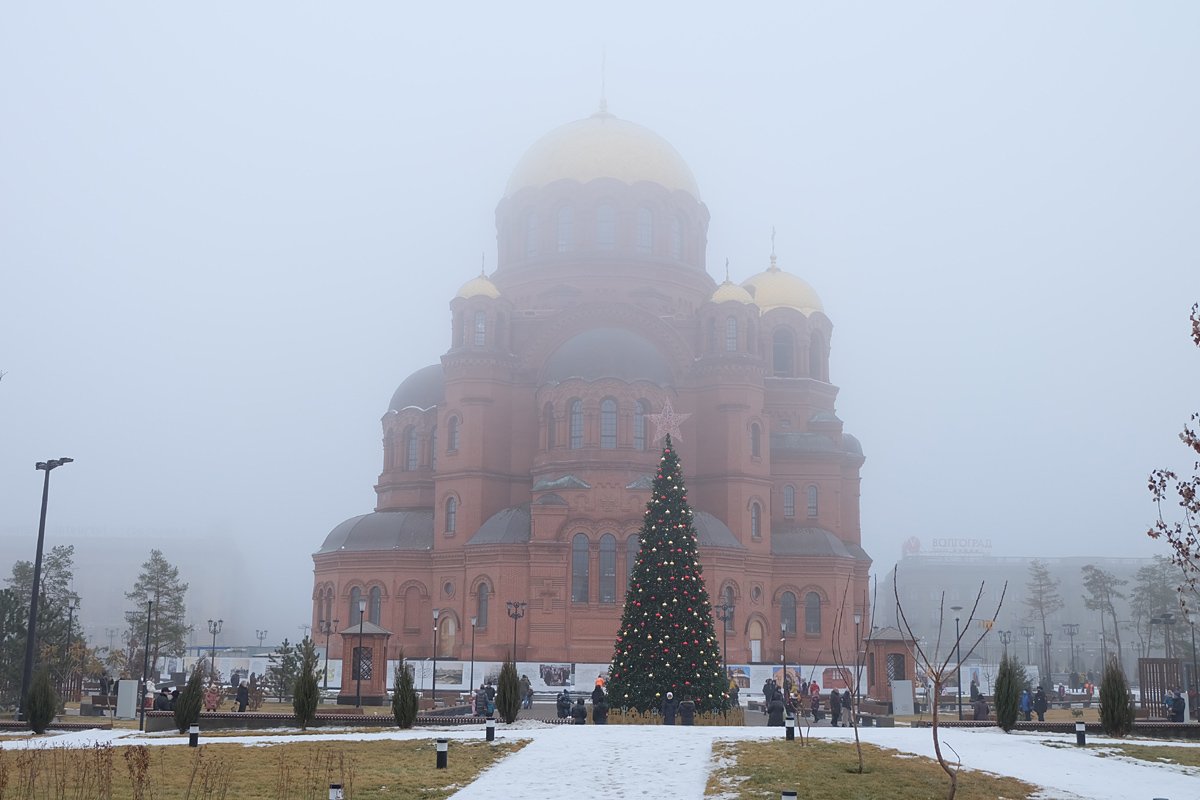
(227, 232)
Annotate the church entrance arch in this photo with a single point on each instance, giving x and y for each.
(755, 634)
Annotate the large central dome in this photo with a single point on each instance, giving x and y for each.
(602, 146)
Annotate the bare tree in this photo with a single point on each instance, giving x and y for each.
(852, 677)
(940, 670)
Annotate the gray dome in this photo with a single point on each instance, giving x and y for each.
(510, 526)
(814, 543)
(712, 532)
(424, 389)
(383, 530)
(852, 444)
(608, 353)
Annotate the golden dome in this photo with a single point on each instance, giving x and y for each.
(729, 290)
(479, 286)
(602, 146)
(778, 289)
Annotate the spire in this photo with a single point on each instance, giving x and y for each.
(482, 262)
(603, 87)
(773, 267)
(727, 269)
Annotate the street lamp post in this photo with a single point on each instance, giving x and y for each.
(1165, 620)
(72, 604)
(1048, 680)
(145, 668)
(327, 628)
(725, 615)
(858, 659)
(31, 631)
(358, 653)
(1072, 629)
(958, 658)
(516, 610)
(471, 682)
(214, 627)
(1005, 639)
(1027, 632)
(260, 635)
(783, 683)
(433, 690)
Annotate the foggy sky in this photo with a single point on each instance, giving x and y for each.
(227, 232)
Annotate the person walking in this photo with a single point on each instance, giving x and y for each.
(579, 713)
(600, 711)
(243, 696)
(835, 708)
(1025, 704)
(526, 692)
(775, 711)
(687, 711)
(669, 707)
(1039, 704)
(562, 704)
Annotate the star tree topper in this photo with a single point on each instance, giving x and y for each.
(667, 423)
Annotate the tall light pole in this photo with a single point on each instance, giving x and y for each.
(1167, 619)
(358, 653)
(433, 689)
(1027, 632)
(1048, 680)
(145, 668)
(471, 682)
(725, 615)
(327, 628)
(1071, 629)
(31, 631)
(516, 610)
(783, 682)
(72, 604)
(857, 658)
(958, 657)
(1005, 640)
(214, 627)
(260, 635)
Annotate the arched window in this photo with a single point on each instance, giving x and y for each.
(812, 501)
(355, 596)
(633, 546)
(451, 514)
(755, 440)
(812, 613)
(727, 601)
(375, 605)
(548, 421)
(783, 353)
(576, 424)
(412, 609)
(676, 238)
(639, 424)
(481, 605)
(608, 423)
(433, 448)
(816, 357)
(755, 520)
(606, 228)
(579, 568)
(480, 329)
(564, 229)
(411, 454)
(645, 231)
(731, 334)
(789, 501)
(531, 234)
(452, 435)
(608, 568)
(787, 612)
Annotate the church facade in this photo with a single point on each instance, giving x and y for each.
(516, 469)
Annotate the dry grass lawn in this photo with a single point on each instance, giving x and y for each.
(821, 771)
(1184, 756)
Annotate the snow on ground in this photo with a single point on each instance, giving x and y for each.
(563, 762)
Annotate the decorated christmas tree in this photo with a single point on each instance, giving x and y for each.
(667, 641)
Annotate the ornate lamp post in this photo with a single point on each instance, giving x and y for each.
(31, 634)
(958, 657)
(1027, 632)
(214, 628)
(72, 604)
(145, 668)
(725, 615)
(783, 682)
(327, 628)
(358, 653)
(433, 691)
(1048, 679)
(1072, 629)
(516, 610)
(260, 635)
(471, 683)
(1005, 640)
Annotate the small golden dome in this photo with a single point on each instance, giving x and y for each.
(778, 289)
(479, 286)
(729, 290)
(602, 146)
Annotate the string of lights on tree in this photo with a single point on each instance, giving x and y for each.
(667, 641)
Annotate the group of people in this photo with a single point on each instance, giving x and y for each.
(684, 709)
(165, 700)
(1175, 706)
(806, 701)
(577, 711)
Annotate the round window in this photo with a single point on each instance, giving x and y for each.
(756, 593)
(448, 589)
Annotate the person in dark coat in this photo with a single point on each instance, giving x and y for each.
(579, 713)
(847, 706)
(481, 704)
(1039, 704)
(562, 704)
(597, 693)
(526, 692)
(979, 709)
(669, 706)
(814, 706)
(600, 711)
(835, 708)
(687, 710)
(162, 702)
(243, 696)
(775, 711)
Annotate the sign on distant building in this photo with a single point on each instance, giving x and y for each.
(948, 545)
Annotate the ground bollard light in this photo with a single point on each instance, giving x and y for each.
(443, 749)
(335, 792)
(193, 736)
(788, 796)
(790, 723)
(1080, 733)
(491, 729)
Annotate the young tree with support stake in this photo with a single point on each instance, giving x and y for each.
(667, 640)
(852, 675)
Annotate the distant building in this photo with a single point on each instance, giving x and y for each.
(517, 467)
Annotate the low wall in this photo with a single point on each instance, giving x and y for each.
(57, 725)
(1154, 730)
(255, 720)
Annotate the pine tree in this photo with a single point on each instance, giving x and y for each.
(1008, 693)
(283, 670)
(508, 693)
(1116, 707)
(306, 693)
(158, 583)
(191, 699)
(404, 697)
(667, 641)
(43, 702)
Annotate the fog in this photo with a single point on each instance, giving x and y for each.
(227, 232)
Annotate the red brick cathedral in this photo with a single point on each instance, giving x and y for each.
(518, 466)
